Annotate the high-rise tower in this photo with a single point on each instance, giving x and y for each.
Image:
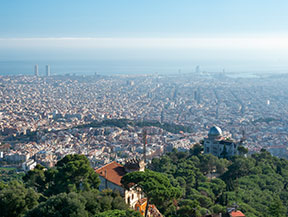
(36, 70)
(197, 69)
(47, 70)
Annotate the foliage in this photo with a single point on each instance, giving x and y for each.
(258, 184)
(178, 183)
(61, 205)
(8, 174)
(15, 199)
(68, 189)
(122, 123)
(119, 213)
(155, 186)
(73, 173)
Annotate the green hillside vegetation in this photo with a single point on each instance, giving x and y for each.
(180, 184)
(122, 123)
(257, 184)
(68, 189)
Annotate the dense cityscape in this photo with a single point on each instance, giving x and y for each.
(143, 108)
(44, 118)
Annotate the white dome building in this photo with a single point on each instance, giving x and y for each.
(215, 133)
(217, 145)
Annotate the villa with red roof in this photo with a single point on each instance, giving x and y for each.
(111, 175)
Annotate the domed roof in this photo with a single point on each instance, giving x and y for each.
(215, 132)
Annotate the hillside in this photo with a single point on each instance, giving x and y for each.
(257, 185)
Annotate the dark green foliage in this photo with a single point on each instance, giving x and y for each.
(242, 150)
(74, 173)
(2, 185)
(71, 174)
(87, 203)
(36, 178)
(70, 189)
(61, 205)
(276, 208)
(122, 123)
(16, 200)
(119, 213)
(10, 174)
(188, 208)
(181, 184)
(196, 150)
(155, 186)
(258, 184)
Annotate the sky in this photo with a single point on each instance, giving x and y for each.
(223, 32)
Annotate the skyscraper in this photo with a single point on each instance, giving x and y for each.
(36, 71)
(47, 70)
(197, 69)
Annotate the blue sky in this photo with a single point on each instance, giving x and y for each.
(222, 30)
(152, 18)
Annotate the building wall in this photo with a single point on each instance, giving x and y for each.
(132, 196)
(216, 148)
(105, 184)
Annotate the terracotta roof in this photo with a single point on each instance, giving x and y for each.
(114, 172)
(142, 201)
(236, 214)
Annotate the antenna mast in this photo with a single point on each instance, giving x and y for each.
(144, 144)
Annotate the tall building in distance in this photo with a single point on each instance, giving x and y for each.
(197, 69)
(36, 70)
(47, 70)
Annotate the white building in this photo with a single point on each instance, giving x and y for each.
(219, 146)
(47, 70)
(29, 165)
(111, 175)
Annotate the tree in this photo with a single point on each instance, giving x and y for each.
(75, 174)
(119, 213)
(276, 209)
(36, 178)
(2, 185)
(72, 173)
(61, 205)
(207, 163)
(242, 150)
(197, 149)
(156, 186)
(188, 208)
(224, 152)
(16, 200)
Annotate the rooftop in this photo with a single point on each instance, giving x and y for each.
(236, 214)
(113, 172)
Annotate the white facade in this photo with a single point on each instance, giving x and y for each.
(29, 165)
(215, 144)
(47, 70)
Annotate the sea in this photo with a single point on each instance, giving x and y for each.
(110, 67)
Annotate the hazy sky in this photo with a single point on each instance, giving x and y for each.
(222, 30)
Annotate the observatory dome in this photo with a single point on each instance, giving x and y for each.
(215, 132)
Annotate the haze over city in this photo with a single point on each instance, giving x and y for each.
(154, 108)
(144, 37)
